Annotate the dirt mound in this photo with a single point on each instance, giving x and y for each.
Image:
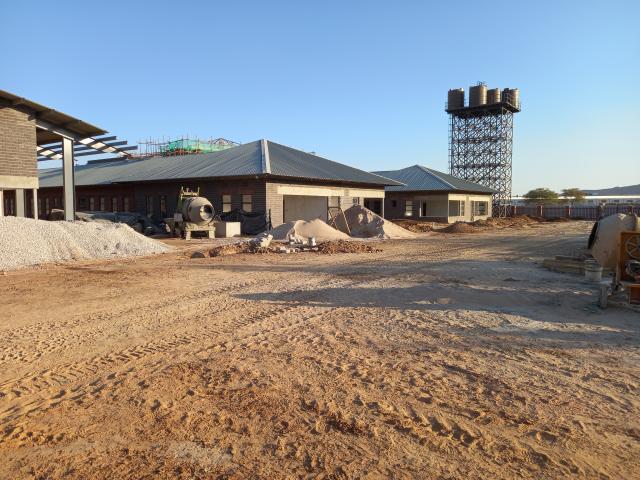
(303, 230)
(364, 223)
(414, 225)
(460, 227)
(346, 246)
(232, 249)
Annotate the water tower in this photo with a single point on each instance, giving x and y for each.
(481, 139)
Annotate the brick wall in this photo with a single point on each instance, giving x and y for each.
(17, 143)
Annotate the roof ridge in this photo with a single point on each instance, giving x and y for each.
(436, 174)
(266, 161)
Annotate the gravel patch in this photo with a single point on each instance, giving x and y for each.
(25, 241)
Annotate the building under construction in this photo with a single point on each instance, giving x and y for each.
(481, 139)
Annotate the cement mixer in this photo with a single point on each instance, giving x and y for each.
(193, 214)
(615, 244)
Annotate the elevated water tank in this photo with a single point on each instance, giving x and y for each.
(455, 98)
(493, 96)
(477, 95)
(511, 96)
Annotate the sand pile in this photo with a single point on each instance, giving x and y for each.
(25, 241)
(415, 225)
(346, 246)
(366, 224)
(303, 230)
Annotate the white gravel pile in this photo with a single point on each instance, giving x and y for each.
(25, 241)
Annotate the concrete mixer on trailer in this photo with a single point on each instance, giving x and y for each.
(193, 214)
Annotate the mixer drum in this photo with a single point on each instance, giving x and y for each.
(197, 210)
(605, 238)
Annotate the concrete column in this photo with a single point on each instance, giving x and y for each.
(1, 203)
(68, 180)
(382, 207)
(20, 203)
(35, 203)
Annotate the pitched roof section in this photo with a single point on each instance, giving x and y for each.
(257, 158)
(418, 178)
(289, 162)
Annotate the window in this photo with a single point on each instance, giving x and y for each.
(149, 205)
(480, 208)
(423, 209)
(82, 203)
(47, 208)
(226, 203)
(247, 203)
(92, 204)
(456, 208)
(408, 208)
(356, 200)
(163, 206)
(103, 204)
(40, 211)
(394, 203)
(125, 204)
(56, 202)
(114, 204)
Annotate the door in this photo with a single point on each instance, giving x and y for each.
(302, 207)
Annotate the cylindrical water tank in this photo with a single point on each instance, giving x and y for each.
(477, 95)
(511, 96)
(197, 210)
(493, 96)
(455, 98)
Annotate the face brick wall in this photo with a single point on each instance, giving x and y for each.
(17, 143)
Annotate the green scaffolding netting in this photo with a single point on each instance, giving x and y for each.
(192, 146)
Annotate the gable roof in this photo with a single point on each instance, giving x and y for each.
(259, 158)
(418, 178)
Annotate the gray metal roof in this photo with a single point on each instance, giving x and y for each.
(243, 160)
(419, 178)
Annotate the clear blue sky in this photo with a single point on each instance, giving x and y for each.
(363, 83)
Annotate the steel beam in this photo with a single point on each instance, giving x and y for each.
(63, 132)
(68, 180)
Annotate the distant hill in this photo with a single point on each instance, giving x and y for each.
(628, 190)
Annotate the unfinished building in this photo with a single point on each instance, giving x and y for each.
(262, 176)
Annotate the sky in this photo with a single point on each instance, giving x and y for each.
(359, 82)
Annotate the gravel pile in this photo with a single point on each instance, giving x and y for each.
(25, 241)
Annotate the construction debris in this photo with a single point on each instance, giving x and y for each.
(25, 241)
(364, 223)
(415, 226)
(346, 246)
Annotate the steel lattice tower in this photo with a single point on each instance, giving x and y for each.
(481, 141)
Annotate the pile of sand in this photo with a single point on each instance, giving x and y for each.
(25, 241)
(366, 224)
(346, 246)
(302, 230)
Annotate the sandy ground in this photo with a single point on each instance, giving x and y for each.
(442, 357)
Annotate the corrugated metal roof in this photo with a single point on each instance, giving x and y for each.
(289, 162)
(419, 178)
(243, 160)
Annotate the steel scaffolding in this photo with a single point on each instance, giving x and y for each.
(480, 148)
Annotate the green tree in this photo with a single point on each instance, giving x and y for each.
(573, 195)
(541, 196)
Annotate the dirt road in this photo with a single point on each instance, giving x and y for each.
(442, 357)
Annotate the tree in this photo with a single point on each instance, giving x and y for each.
(573, 195)
(541, 196)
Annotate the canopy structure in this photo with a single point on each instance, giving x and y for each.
(61, 137)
